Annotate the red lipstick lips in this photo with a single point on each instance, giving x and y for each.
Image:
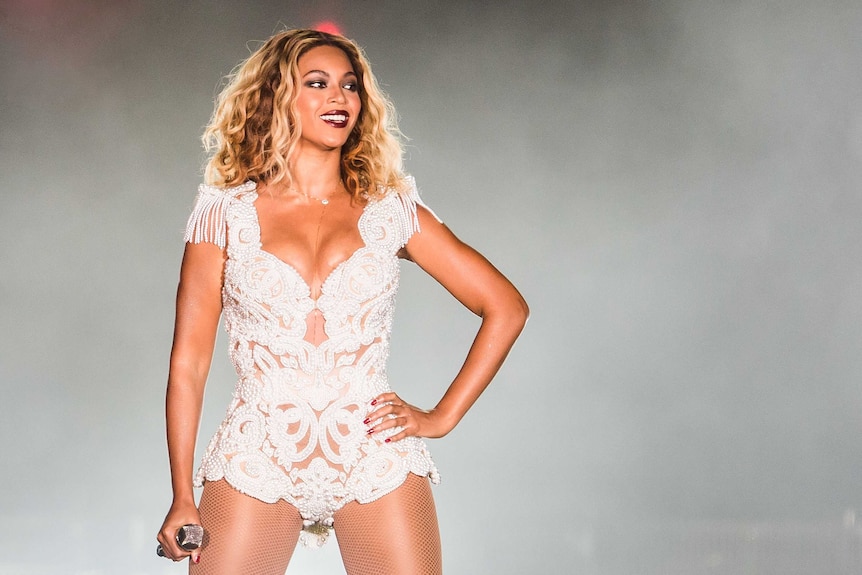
(336, 118)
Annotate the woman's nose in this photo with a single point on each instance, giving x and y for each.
(337, 94)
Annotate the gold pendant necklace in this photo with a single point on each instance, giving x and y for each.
(324, 201)
(316, 253)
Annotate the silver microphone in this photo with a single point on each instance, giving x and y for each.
(189, 537)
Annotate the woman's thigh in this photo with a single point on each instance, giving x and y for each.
(244, 536)
(395, 535)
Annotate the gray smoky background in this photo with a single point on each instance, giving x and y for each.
(673, 185)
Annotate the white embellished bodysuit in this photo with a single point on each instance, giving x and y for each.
(294, 429)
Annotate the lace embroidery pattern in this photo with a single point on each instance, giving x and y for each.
(294, 429)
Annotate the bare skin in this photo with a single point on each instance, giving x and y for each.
(292, 229)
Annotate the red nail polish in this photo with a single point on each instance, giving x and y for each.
(370, 431)
(197, 559)
(388, 439)
(373, 402)
(367, 421)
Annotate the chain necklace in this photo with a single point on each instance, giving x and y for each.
(324, 201)
(316, 250)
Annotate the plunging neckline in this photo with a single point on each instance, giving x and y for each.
(269, 255)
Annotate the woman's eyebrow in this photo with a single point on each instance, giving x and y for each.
(349, 73)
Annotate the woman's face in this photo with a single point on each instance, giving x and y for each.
(328, 102)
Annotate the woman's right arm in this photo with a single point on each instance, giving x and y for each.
(198, 309)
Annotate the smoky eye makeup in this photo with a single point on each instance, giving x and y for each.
(350, 81)
(320, 80)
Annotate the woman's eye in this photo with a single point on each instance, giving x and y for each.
(351, 86)
(316, 84)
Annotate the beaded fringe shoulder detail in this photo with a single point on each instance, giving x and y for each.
(408, 199)
(208, 222)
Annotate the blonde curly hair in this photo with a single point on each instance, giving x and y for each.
(255, 128)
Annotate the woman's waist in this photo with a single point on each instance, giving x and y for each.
(301, 356)
(293, 375)
(318, 389)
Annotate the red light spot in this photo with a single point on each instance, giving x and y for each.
(327, 26)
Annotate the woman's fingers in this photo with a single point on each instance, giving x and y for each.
(182, 525)
(385, 404)
(388, 423)
(170, 548)
(393, 412)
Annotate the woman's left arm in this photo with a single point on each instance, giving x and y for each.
(477, 284)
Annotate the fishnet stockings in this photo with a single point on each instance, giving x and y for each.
(244, 536)
(395, 535)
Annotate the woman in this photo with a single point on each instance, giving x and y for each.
(296, 238)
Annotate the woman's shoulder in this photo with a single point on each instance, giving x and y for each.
(404, 190)
(226, 192)
(208, 220)
(400, 204)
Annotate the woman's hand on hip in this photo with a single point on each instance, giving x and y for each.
(392, 411)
